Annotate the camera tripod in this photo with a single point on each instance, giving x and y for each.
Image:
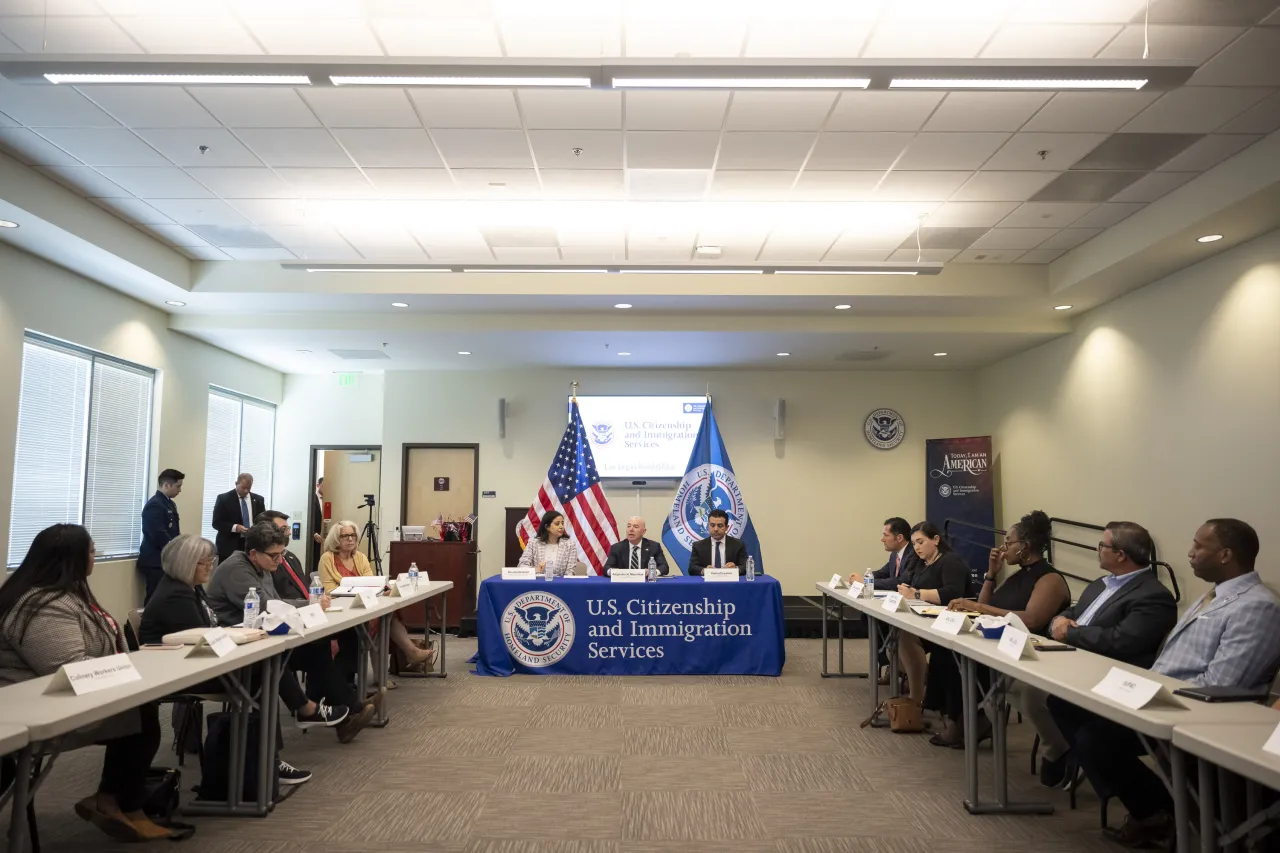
(370, 531)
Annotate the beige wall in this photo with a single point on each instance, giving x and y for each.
(425, 504)
(44, 298)
(818, 497)
(1162, 407)
(346, 483)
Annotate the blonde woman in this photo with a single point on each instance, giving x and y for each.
(341, 559)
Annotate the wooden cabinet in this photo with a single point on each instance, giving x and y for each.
(442, 561)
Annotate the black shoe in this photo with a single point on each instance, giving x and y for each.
(1155, 831)
(353, 724)
(1054, 773)
(325, 715)
(290, 775)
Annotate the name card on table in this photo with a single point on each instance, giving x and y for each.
(402, 586)
(855, 589)
(364, 598)
(1130, 689)
(519, 573)
(837, 582)
(1016, 645)
(1273, 743)
(721, 575)
(215, 640)
(952, 622)
(894, 602)
(627, 576)
(313, 616)
(90, 676)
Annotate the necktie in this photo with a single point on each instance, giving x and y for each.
(897, 564)
(635, 557)
(1204, 604)
(716, 564)
(244, 511)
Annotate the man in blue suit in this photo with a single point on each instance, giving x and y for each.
(895, 536)
(159, 526)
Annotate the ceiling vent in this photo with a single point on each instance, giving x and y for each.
(359, 354)
(863, 355)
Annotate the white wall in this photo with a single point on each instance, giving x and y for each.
(1162, 407)
(44, 298)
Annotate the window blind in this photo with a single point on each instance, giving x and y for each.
(240, 438)
(116, 482)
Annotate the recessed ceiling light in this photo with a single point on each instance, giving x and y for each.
(1209, 238)
(305, 351)
(1062, 307)
(175, 303)
(843, 307)
(996, 83)
(939, 354)
(623, 305)
(464, 352)
(570, 82)
(624, 352)
(399, 304)
(5, 223)
(783, 354)
(741, 82)
(709, 251)
(185, 79)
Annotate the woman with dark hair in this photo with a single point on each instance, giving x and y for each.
(49, 617)
(551, 551)
(1035, 593)
(942, 576)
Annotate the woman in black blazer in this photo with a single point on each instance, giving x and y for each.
(178, 602)
(941, 577)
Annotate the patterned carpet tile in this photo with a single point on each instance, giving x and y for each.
(775, 739)
(580, 694)
(682, 773)
(526, 816)
(834, 813)
(500, 716)
(567, 741)
(813, 772)
(685, 693)
(425, 773)
(675, 740)
(670, 715)
(556, 774)
(690, 816)
(404, 816)
(587, 716)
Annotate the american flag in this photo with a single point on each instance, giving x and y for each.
(572, 487)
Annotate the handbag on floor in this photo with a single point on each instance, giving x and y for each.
(216, 758)
(164, 785)
(904, 715)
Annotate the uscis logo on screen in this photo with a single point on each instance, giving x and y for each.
(712, 487)
(538, 629)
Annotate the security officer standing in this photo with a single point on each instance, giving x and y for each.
(159, 526)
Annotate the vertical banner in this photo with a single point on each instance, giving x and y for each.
(959, 487)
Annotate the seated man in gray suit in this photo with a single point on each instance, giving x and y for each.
(635, 551)
(719, 550)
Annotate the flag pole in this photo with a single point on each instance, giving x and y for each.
(573, 398)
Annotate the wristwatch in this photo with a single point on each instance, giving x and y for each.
(917, 593)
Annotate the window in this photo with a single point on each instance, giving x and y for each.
(84, 447)
(240, 439)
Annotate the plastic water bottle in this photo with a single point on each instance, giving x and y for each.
(751, 568)
(651, 572)
(869, 585)
(413, 576)
(252, 608)
(317, 589)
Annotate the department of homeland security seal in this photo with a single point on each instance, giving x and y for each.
(538, 629)
(602, 433)
(705, 488)
(885, 429)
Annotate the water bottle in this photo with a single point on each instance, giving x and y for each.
(869, 585)
(413, 576)
(252, 608)
(751, 568)
(317, 589)
(652, 569)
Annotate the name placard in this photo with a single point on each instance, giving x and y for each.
(893, 602)
(1016, 645)
(313, 616)
(855, 589)
(951, 622)
(627, 576)
(1273, 743)
(364, 598)
(90, 676)
(215, 640)
(1130, 689)
(836, 582)
(720, 575)
(518, 573)
(402, 586)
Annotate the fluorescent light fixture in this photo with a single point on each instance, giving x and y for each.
(6, 223)
(512, 82)
(846, 272)
(690, 271)
(185, 79)
(304, 351)
(783, 354)
(1209, 238)
(175, 303)
(624, 353)
(399, 304)
(379, 269)
(1011, 83)
(623, 305)
(741, 82)
(464, 352)
(843, 307)
(529, 269)
(939, 354)
(1062, 307)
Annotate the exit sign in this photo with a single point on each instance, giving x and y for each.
(346, 380)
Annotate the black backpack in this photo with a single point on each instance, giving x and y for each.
(216, 759)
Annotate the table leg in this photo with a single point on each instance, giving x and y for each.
(969, 693)
(267, 701)
(825, 673)
(999, 747)
(239, 751)
(21, 797)
(1252, 803)
(444, 632)
(1229, 799)
(873, 659)
(1208, 833)
(382, 668)
(1181, 798)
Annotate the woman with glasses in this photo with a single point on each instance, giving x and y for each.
(341, 559)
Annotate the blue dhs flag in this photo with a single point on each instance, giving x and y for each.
(708, 484)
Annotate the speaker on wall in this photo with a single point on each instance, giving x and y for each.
(779, 418)
(502, 418)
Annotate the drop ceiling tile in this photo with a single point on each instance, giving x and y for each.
(1084, 185)
(858, 151)
(314, 36)
(1069, 238)
(658, 110)
(83, 181)
(1041, 256)
(499, 184)
(987, 256)
(172, 235)
(1194, 109)
(1013, 238)
(58, 35)
(412, 183)
(831, 185)
(260, 254)
(50, 106)
(807, 236)
(667, 184)
(295, 147)
(454, 240)
(764, 150)
(791, 111)
(470, 37)
(328, 183)
(970, 214)
(571, 109)
(588, 36)
(950, 151)
(867, 241)
(777, 252)
(663, 233)
(467, 108)
(133, 210)
(391, 148)
(1263, 117)
(671, 38)
(919, 186)
(151, 106)
(381, 242)
(670, 150)
(1079, 112)
(1062, 151)
(182, 146)
(1154, 186)
(751, 185)
(583, 183)
(5, 121)
(1209, 151)
(943, 238)
(243, 183)
(1136, 151)
(645, 253)
(587, 235)
(1076, 12)
(200, 211)
(1106, 215)
(1002, 186)
(1171, 42)
(207, 35)
(597, 149)
(1249, 61)
(270, 211)
(361, 107)
(512, 255)
(483, 148)
(203, 253)
(1200, 13)
(839, 254)
(883, 111)
(246, 106)
(1046, 214)
(26, 146)
(519, 237)
(801, 38)
(956, 39)
(224, 236)
(979, 111)
(928, 256)
(1048, 41)
(103, 146)
(53, 7)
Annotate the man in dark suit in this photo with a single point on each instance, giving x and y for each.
(160, 525)
(233, 514)
(317, 524)
(635, 551)
(719, 549)
(895, 536)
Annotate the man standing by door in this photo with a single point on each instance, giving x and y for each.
(233, 514)
(317, 524)
(160, 525)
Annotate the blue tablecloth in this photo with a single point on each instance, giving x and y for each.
(591, 626)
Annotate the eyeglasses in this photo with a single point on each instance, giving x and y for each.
(276, 557)
(346, 536)
(1102, 545)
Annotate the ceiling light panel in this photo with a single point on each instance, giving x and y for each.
(1011, 84)
(741, 82)
(182, 79)
(492, 82)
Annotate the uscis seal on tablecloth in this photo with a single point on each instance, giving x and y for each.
(538, 629)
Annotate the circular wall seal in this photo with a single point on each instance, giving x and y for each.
(885, 429)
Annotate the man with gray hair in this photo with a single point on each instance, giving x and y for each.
(635, 551)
